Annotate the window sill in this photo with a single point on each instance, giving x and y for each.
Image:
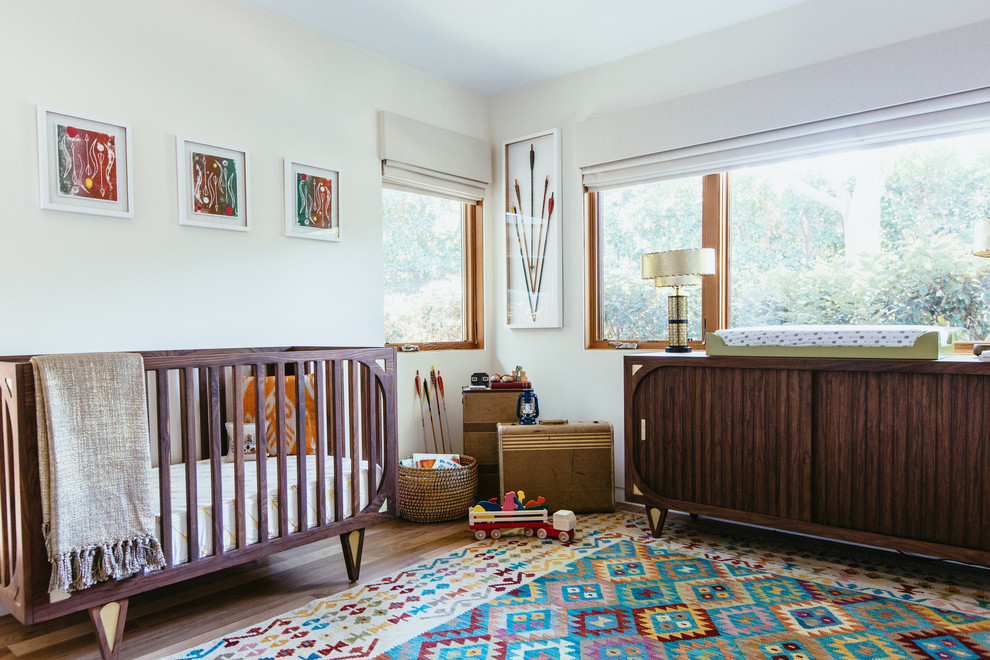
(623, 344)
(437, 346)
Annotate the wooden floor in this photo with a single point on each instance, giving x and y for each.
(174, 618)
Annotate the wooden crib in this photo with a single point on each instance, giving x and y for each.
(194, 396)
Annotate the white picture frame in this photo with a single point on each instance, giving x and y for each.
(84, 164)
(312, 198)
(534, 231)
(213, 183)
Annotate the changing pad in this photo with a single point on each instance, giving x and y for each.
(912, 342)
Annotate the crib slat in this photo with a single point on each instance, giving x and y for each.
(164, 463)
(261, 433)
(240, 510)
(283, 489)
(216, 476)
(319, 374)
(204, 414)
(338, 440)
(224, 446)
(371, 426)
(189, 456)
(356, 437)
(302, 445)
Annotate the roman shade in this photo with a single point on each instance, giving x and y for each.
(419, 157)
(935, 85)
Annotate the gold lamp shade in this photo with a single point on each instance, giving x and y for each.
(981, 238)
(677, 268)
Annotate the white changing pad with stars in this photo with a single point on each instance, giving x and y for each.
(915, 342)
(830, 335)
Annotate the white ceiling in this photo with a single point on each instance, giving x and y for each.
(493, 46)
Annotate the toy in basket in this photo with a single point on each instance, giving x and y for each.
(487, 518)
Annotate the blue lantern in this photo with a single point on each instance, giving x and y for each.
(527, 407)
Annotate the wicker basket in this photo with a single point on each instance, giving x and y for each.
(428, 495)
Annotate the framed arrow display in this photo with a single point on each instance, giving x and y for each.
(533, 236)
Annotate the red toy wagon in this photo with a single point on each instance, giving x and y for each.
(491, 523)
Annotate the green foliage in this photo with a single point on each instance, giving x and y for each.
(423, 287)
(637, 220)
(428, 315)
(923, 283)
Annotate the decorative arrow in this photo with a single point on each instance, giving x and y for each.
(539, 284)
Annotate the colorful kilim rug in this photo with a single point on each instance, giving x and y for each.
(632, 601)
(704, 590)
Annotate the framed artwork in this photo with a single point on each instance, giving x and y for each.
(533, 231)
(311, 201)
(213, 185)
(85, 164)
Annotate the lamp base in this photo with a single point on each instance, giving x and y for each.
(678, 349)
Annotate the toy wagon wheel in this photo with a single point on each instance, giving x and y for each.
(480, 534)
(541, 533)
(528, 531)
(496, 533)
(564, 537)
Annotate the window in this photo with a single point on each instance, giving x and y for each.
(877, 236)
(432, 249)
(633, 220)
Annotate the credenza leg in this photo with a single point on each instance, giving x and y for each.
(108, 619)
(656, 517)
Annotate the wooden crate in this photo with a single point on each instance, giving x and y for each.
(569, 464)
(483, 410)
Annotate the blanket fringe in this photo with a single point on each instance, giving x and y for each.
(80, 568)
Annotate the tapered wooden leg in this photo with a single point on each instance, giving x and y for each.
(656, 517)
(108, 619)
(352, 544)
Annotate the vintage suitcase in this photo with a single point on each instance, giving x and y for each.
(570, 464)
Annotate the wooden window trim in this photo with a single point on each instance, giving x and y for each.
(714, 289)
(473, 280)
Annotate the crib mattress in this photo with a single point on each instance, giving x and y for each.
(180, 530)
(830, 341)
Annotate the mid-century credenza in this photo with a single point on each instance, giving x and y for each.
(891, 453)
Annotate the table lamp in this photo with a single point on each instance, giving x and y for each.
(677, 268)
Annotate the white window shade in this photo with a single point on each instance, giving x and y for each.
(934, 85)
(968, 111)
(418, 157)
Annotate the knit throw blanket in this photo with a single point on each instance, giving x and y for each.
(94, 464)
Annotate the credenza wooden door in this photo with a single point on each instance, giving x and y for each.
(904, 454)
(732, 438)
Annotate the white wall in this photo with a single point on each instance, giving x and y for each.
(220, 71)
(578, 384)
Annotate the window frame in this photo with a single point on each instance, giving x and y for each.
(714, 288)
(472, 287)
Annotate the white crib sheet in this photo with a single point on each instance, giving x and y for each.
(180, 531)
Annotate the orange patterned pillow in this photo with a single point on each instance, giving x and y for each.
(271, 437)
